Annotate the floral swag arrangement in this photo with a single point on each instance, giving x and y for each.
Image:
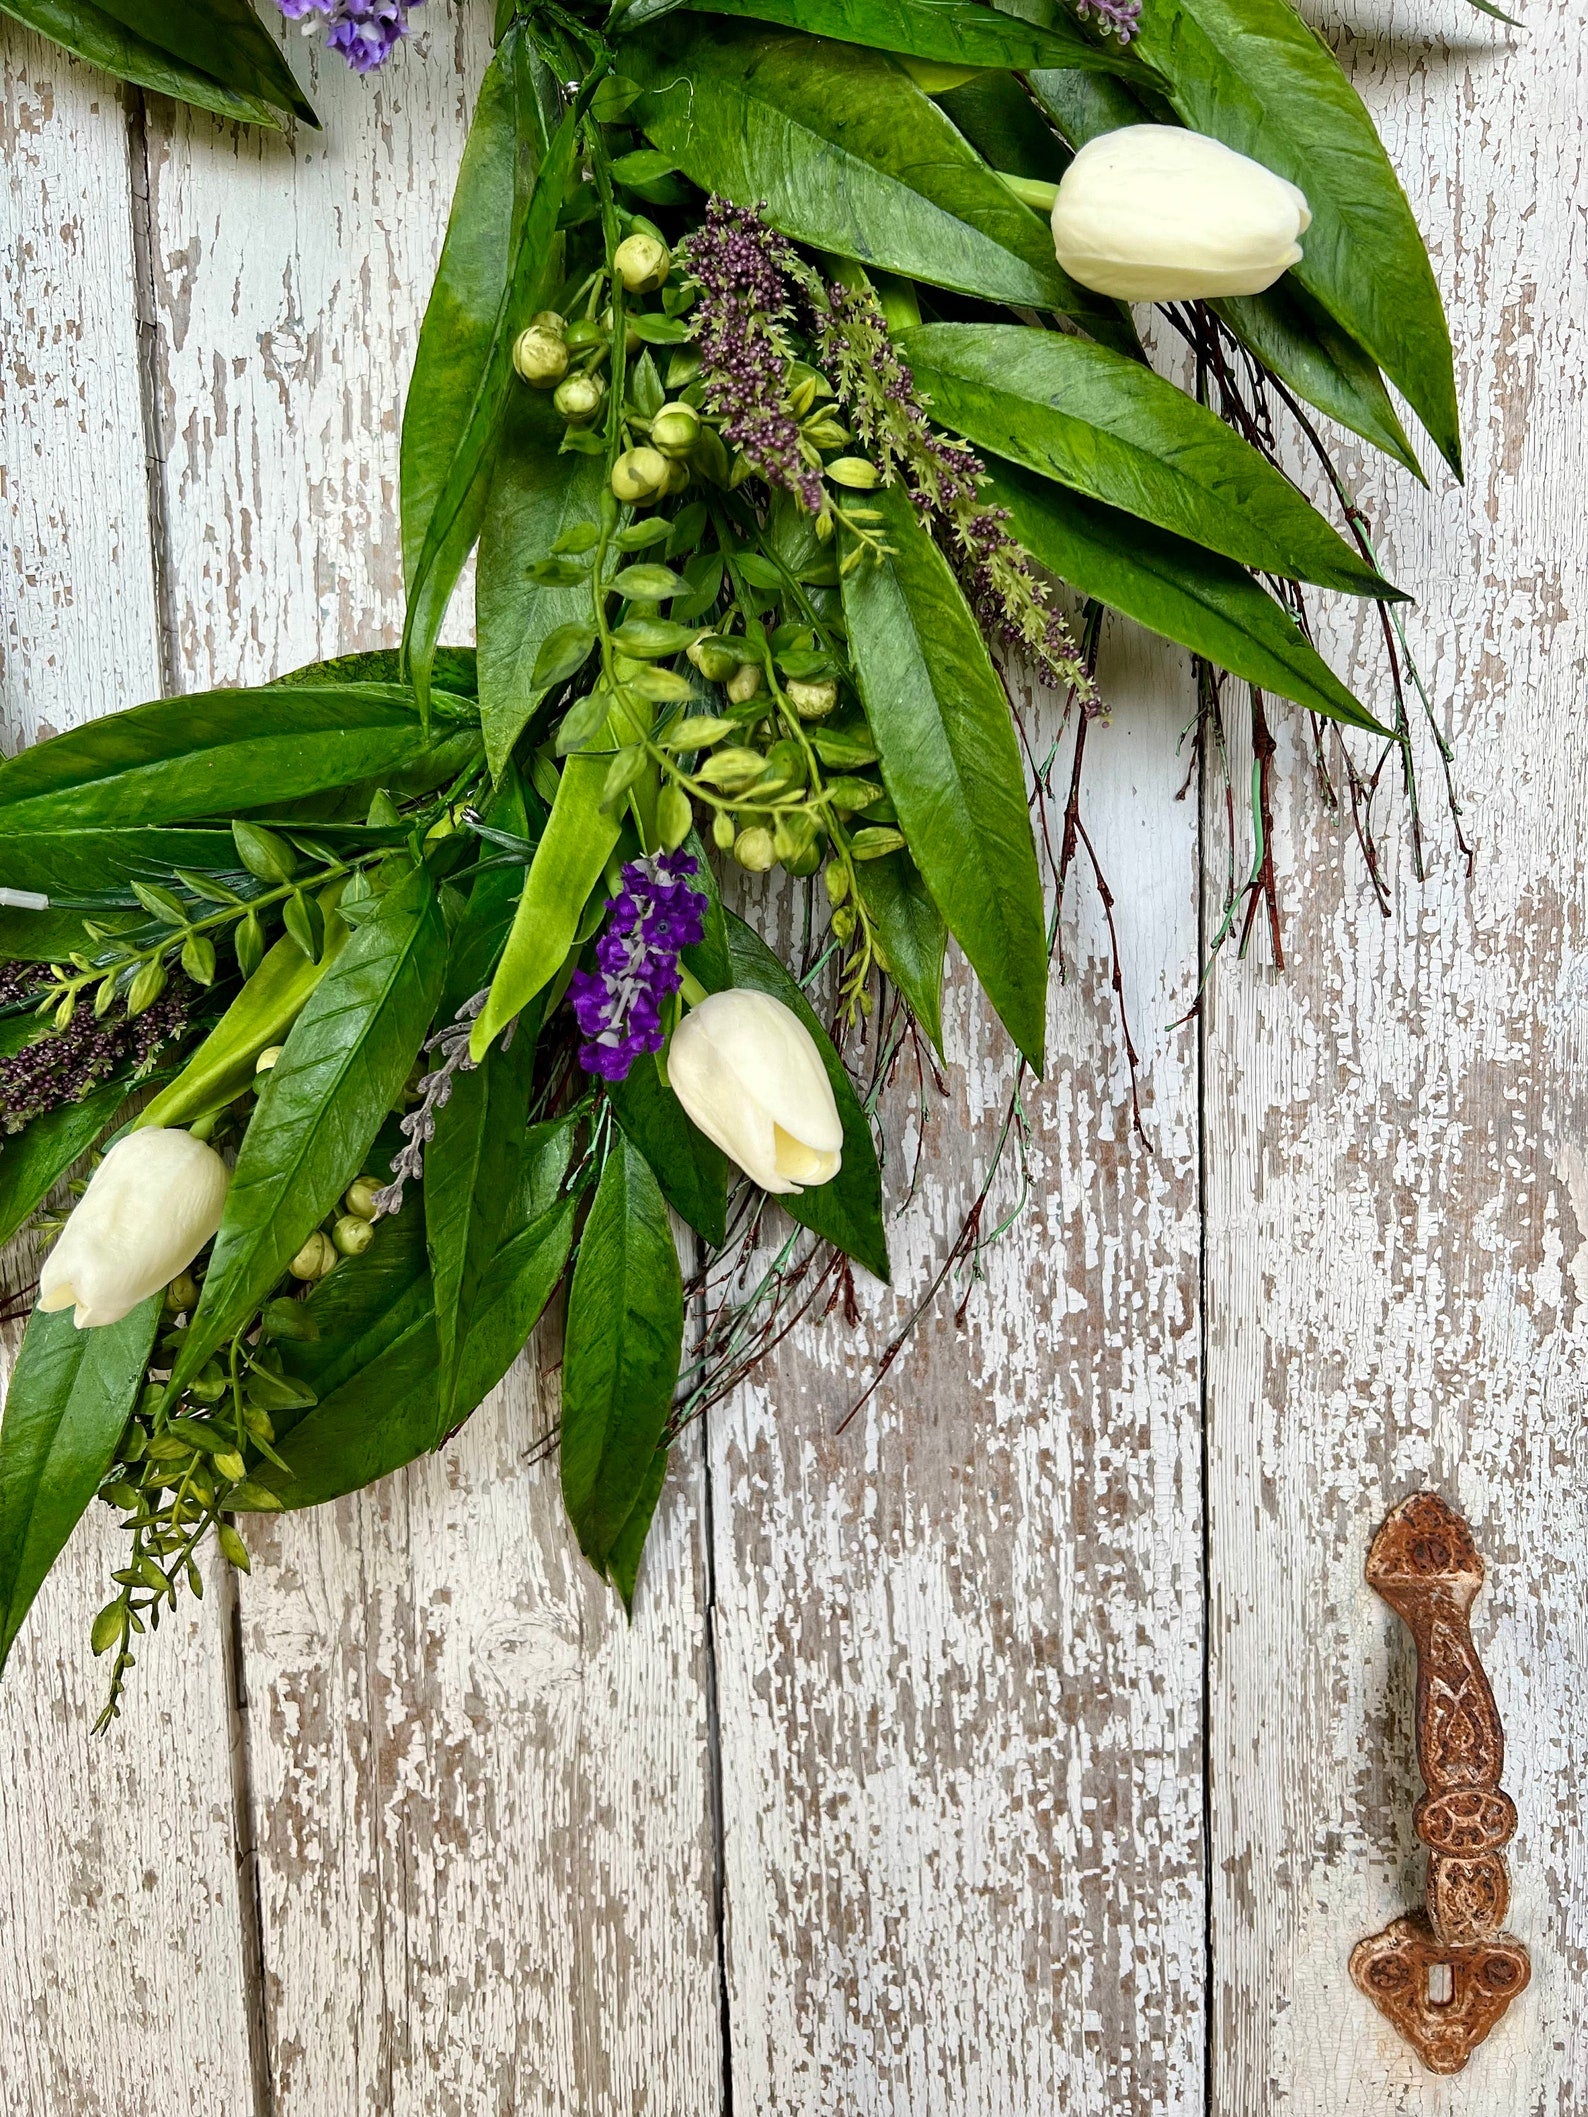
(778, 367)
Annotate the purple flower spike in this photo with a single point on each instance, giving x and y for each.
(365, 32)
(619, 1007)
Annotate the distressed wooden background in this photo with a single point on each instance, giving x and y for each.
(1034, 1745)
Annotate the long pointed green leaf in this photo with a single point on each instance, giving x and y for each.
(94, 33)
(1191, 596)
(951, 763)
(1113, 429)
(499, 255)
(848, 154)
(953, 32)
(339, 1072)
(32, 1163)
(222, 38)
(70, 1393)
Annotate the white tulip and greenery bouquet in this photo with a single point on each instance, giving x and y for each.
(775, 407)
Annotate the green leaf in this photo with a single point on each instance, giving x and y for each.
(850, 156)
(100, 34)
(223, 39)
(623, 1561)
(1255, 75)
(208, 755)
(568, 863)
(1115, 430)
(323, 1102)
(951, 763)
(70, 1393)
(1192, 596)
(954, 32)
(537, 496)
(262, 1014)
(848, 1211)
(33, 1162)
(911, 933)
(500, 256)
(622, 1347)
(692, 1172)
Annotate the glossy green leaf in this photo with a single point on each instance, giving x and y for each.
(849, 155)
(848, 1211)
(1114, 430)
(568, 863)
(621, 1351)
(223, 39)
(208, 755)
(1255, 75)
(70, 1393)
(910, 933)
(50, 936)
(529, 1262)
(537, 494)
(692, 1172)
(35, 1159)
(951, 763)
(1192, 596)
(955, 32)
(455, 671)
(97, 33)
(499, 258)
(623, 1561)
(262, 1014)
(81, 867)
(339, 1073)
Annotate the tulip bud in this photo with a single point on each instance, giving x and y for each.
(150, 1207)
(1154, 213)
(813, 701)
(676, 429)
(315, 1259)
(638, 475)
(744, 683)
(749, 1075)
(540, 358)
(578, 397)
(642, 262)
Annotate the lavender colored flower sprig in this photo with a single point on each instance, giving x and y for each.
(418, 1128)
(365, 32)
(740, 269)
(1123, 17)
(619, 1007)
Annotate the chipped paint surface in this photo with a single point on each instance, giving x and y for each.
(442, 1838)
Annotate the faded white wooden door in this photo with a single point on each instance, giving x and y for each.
(1034, 1745)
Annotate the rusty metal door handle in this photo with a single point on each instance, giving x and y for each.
(1446, 1974)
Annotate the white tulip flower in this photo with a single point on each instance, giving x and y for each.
(748, 1072)
(150, 1207)
(1155, 213)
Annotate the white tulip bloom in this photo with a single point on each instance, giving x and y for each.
(1154, 213)
(748, 1072)
(150, 1207)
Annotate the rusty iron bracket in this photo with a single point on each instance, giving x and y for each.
(1445, 1975)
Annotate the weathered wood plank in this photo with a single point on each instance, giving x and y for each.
(120, 1964)
(959, 1675)
(481, 1799)
(1397, 1207)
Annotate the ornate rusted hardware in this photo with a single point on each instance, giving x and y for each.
(1445, 1975)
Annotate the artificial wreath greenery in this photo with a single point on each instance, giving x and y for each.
(780, 419)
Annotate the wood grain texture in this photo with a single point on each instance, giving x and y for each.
(1397, 1205)
(121, 1929)
(960, 1644)
(480, 1799)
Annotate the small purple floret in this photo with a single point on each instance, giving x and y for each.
(619, 1007)
(365, 32)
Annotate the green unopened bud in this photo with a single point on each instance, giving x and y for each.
(315, 1259)
(673, 817)
(677, 475)
(715, 660)
(754, 850)
(676, 429)
(549, 321)
(578, 397)
(540, 357)
(352, 1235)
(230, 1465)
(268, 1057)
(182, 1294)
(638, 475)
(641, 262)
(361, 1196)
(584, 336)
(813, 701)
(744, 683)
(844, 922)
(723, 830)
